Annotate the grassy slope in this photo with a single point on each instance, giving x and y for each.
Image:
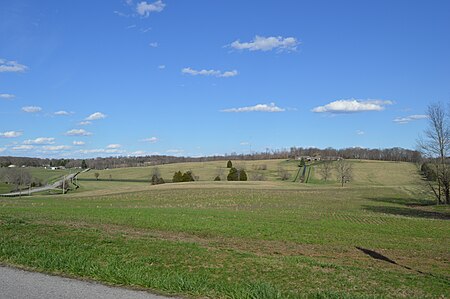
(240, 240)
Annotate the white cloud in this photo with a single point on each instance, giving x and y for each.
(95, 116)
(151, 139)
(257, 108)
(161, 67)
(2, 149)
(11, 134)
(114, 146)
(11, 66)
(352, 105)
(144, 8)
(261, 43)
(7, 96)
(243, 143)
(153, 45)
(78, 132)
(31, 109)
(137, 153)
(54, 148)
(100, 150)
(359, 132)
(410, 118)
(214, 73)
(131, 26)
(175, 151)
(84, 123)
(40, 140)
(22, 148)
(78, 143)
(61, 112)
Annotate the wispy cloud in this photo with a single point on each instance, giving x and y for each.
(261, 43)
(161, 67)
(11, 134)
(175, 151)
(95, 116)
(257, 108)
(84, 123)
(410, 118)
(101, 150)
(78, 132)
(352, 106)
(78, 143)
(153, 45)
(55, 148)
(113, 146)
(31, 109)
(61, 113)
(214, 73)
(359, 132)
(131, 26)
(11, 66)
(138, 153)
(7, 96)
(144, 8)
(22, 148)
(151, 139)
(40, 140)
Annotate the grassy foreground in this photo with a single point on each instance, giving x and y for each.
(241, 240)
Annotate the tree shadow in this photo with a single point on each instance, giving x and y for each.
(408, 212)
(410, 202)
(378, 256)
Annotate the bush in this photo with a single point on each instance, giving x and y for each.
(232, 175)
(217, 178)
(242, 175)
(178, 177)
(229, 164)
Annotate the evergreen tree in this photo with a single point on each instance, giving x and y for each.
(242, 175)
(177, 177)
(232, 175)
(83, 164)
(188, 177)
(302, 163)
(229, 164)
(217, 178)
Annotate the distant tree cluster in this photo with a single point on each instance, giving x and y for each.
(237, 175)
(18, 178)
(179, 177)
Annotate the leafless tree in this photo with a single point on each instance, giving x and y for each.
(344, 171)
(435, 146)
(18, 177)
(283, 174)
(220, 172)
(325, 170)
(96, 175)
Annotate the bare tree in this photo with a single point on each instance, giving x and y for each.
(96, 175)
(436, 147)
(325, 170)
(344, 171)
(283, 174)
(18, 177)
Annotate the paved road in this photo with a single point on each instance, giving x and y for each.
(19, 284)
(55, 185)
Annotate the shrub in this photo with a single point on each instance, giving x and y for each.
(217, 178)
(229, 164)
(232, 175)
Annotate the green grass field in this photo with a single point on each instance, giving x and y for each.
(376, 237)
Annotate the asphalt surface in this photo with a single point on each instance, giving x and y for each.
(20, 284)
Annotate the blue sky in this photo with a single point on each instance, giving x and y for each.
(102, 78)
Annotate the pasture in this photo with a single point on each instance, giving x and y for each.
(376, 237)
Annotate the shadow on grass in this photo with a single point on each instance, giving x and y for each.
(378, 256)
(410, 202)
(408, 212)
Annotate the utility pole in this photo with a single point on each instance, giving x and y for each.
(63, 185)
